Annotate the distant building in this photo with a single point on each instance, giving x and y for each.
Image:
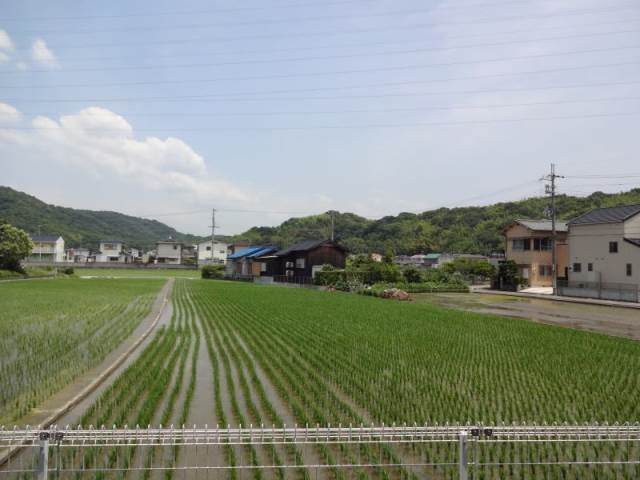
(217, 254)
(604, 252)
(299, 262)
(79, 255)
(528, 244)
(113, 251)
(377, 257)
(47, 248)
(247, 262)
(169, 251)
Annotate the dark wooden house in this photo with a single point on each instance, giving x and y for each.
(298, 262)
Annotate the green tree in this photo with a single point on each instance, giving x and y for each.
(15, 246)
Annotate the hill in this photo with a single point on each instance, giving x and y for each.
(463, 230)
(81, 227)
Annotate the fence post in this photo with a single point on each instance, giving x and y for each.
(462, 441)
(43, 458)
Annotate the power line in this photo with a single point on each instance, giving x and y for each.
(298, 20)
(317, 89)
(370, 70)
(200, 40)
(336, 127)
(370, 44)
(386, 110)
(214, 97)
(271, 61)
(621, 175)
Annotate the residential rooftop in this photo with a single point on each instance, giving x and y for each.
(542, 225)
(607, 215)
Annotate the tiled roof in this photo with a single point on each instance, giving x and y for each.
(305, 247)
(45, 238)
(607, 215)
(542, 225)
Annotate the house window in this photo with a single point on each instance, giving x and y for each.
(208, 248)
(300, 262)
(590, 267)
(545, 244)
(629, 270)
(613, 247)
(521, 244)
(577, 267)
(288, 265)
(545, 270)
(175, 247)
(263, 267)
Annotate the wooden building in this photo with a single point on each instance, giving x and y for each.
(298, 262)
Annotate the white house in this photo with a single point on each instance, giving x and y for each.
(47, 248)
(219, 254)
(604, 252)
(112, 251)
(78, 255)
(169, 252)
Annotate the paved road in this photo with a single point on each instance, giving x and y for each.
(621, 322)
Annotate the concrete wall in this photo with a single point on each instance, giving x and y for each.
(170, 252)
(590, 244)
(219, 252)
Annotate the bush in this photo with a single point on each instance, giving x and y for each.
(66, 270)
(329, 275)
(412, 275)
(212, 271)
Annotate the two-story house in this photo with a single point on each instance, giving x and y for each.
(169, 252)
(529, 242)
(47, 249)
(604, 250)
(217, 254)
(112, 251)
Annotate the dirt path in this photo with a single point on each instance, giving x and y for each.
(617, 321)
(68, 405)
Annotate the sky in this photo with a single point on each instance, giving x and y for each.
(277, 108)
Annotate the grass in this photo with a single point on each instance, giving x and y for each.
(136, 272)
(52, 331)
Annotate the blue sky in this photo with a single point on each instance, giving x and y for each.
(262, 109)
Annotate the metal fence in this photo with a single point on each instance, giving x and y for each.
(446, 451)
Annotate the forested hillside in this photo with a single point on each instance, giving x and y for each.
(81, 227)
(464, 230)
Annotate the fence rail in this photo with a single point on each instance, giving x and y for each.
(408, 449)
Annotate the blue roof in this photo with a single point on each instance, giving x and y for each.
(262, 251)
(251, 252)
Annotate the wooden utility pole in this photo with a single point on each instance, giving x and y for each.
(550, 189)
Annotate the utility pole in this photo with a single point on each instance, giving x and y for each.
(550, 189)
(213, 233)
(333, 226)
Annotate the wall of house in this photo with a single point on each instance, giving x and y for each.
(219, 252)
(112, 254)
(590, 244)
(530, 261)
(632, 227)
(169, 253)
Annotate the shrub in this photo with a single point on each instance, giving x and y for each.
(329, 275)
(412, 275)
(212, 271)
(15, 246)
(66, 270)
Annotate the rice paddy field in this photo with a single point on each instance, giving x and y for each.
(51, 331)
(137, 272)
(243, 354)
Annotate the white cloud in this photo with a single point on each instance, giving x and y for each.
(42, 55)
(9, 114)
(5, 41)
(103, 143)
(22, 66)
(4, 57)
